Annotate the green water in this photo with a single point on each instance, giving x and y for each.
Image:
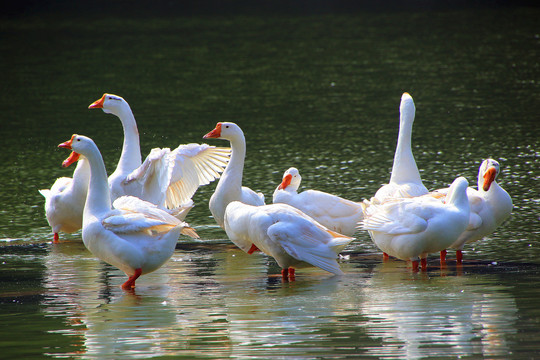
(318, 92)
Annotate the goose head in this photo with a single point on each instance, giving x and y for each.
(407, 109)
(110, 104)
(487, 174)
(291, 180)
(80, 145)
(225, 130)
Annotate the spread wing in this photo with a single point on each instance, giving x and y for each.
(191, 166)
(153, 175)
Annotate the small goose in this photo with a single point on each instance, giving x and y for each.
(332, 211)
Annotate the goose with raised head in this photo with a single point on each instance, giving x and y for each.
(412, 228)
(229, 187)
(405, 180)
(166, 178)
(134, 235)
(490, 205)
(292, 238)
(64, 201)
(332, 211)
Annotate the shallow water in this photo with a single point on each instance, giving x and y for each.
(319, 92)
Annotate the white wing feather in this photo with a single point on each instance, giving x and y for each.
(191, 166)
(132, 215)
(305, 246)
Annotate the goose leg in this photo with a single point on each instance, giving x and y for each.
(459, 256)
(291, 274)
(56, 238)
(130, 283)
(287, 274)
(414, 265)
(252, 249)
(385, 256)
(423, 263)
(443, 256)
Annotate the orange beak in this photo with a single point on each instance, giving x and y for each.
(98, 104)
(67, 144)
(73, 157)
(286, 182)
(489, 177)
(216, 133)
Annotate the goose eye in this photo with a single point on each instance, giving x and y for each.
(226, 126)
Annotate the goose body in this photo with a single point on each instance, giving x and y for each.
(167, 178)
(411, 228)
(292, 238)
(490, 205)
(405, 181)
(134, 235)
(334, 212)
(64, 201)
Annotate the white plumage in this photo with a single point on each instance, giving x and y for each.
(291, 237)
(490, 205)
(405, 179)
(167, 178)
(411, 228)
(134, 235)
(64, 201)
(332, 211)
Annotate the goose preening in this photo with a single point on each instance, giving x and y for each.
(292, 238)
(134, 235)
(332, 211)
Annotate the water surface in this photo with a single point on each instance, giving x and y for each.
(318, 92)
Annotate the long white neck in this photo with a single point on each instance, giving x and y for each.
(81, 176)
(230, 183)
(98, 198)
(131, 149)
(404, 169)
(229, 187)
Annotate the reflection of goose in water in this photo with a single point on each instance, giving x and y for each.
(163, 317)
(414, 321)
(282, 318)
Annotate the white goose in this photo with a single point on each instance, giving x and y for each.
(405, 179)
(332, 211)
(411, 228)
(134, 235)
(294, 239)
(229, 187)
(166, 178)
(490, 206)
(64, 201)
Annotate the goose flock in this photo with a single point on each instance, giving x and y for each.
(133, 218)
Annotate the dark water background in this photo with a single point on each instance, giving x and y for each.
(314, 88)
